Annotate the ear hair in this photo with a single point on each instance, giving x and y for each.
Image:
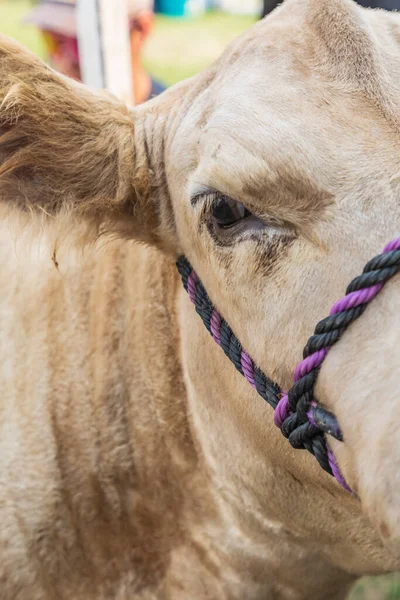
(65, 152)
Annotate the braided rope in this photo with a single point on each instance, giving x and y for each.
(224, 336)
(297, 413)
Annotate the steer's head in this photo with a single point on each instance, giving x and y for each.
(277, 173)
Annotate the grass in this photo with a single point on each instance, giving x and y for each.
(177, 50)
(11, 15)
(378, 588)
(181, 48)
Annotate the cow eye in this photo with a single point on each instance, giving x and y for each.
(227, 212)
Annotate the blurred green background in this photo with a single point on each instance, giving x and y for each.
(180, 48)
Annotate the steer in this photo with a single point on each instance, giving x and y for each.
(135, 461)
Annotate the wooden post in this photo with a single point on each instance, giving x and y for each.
(104, 46)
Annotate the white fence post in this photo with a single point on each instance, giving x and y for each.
(114, 20)
(104, 46)
(90, 43)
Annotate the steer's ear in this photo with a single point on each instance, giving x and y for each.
(80, 156)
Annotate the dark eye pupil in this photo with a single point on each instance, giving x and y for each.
(227, 212)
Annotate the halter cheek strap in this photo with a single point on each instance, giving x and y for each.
(297, 413)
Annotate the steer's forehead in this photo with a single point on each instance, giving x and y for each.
(285, 108)
(268, 113)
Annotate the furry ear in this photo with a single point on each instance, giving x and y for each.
(68, 152)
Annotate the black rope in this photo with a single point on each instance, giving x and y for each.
(230, 344)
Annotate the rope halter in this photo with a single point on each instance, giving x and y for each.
(297, 413)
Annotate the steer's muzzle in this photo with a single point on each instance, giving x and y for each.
(360, 383)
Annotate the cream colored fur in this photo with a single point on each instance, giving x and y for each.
(135, 462)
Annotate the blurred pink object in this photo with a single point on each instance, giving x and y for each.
(58, 17)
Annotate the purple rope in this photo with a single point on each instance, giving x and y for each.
(392, 245)
(282, 411)
(216, 326)
(337, 472)
(309, 364)
(248, 368)
(191, 285)
(356, 298)
(367, 294)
